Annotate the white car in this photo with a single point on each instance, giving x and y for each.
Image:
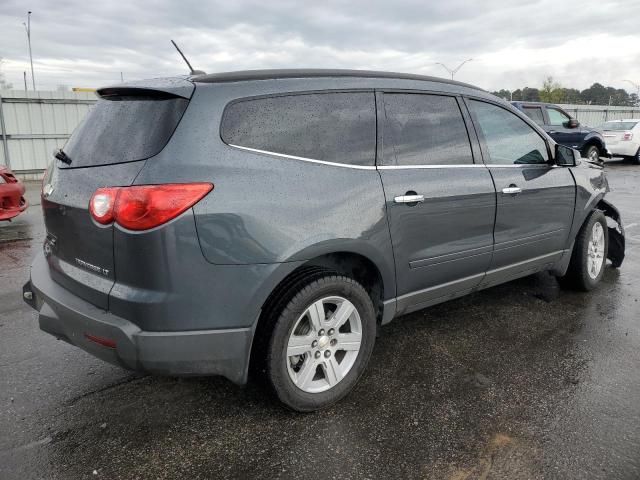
(623, 138)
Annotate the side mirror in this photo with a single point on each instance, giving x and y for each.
(573, 123)
(565, 156)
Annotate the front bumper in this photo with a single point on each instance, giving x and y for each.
(200, 352)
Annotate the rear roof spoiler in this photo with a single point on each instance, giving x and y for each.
(172, 87)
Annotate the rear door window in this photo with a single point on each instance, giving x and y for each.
(424, 129)
(124, 127)
(535, 114)
(334, 127)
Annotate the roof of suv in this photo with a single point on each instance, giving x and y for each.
(247, 75)
(522, 102)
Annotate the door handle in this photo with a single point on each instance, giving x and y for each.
(552, 132)
(511, 190)
(409, 199)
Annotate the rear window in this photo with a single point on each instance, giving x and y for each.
(334, 127)
(616, 126)
(124, 128)
(535, 114)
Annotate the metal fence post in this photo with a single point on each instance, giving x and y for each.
(3, 132)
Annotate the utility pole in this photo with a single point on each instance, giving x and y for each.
(24, 77)
(27, 27)
(455, 70)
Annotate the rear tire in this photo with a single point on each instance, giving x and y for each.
(321, 342)
(589, 255)
(636, 158)
(592, 153)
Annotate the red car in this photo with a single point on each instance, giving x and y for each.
(12, 201)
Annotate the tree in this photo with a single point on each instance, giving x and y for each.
(505, 94)
(619, 97)
(530, 94)
(596, 94)
(571, 95)
(4, 85)
(552, 91)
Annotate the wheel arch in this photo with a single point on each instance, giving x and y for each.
(595, 141)
(377, 280)
(615, 229)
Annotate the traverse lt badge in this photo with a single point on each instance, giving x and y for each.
(95, 268)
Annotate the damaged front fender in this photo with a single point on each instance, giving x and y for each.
(616, 233)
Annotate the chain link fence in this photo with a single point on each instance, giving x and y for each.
(594, 115)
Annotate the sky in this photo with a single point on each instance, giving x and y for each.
(512, 43)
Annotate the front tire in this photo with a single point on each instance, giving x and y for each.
(589, 256)
(321, 343)
(591, 153)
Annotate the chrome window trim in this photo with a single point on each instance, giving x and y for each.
(409, 167)
(304, 159)
(384, 167)
(519, 165)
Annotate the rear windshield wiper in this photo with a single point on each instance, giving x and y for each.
(63, 157)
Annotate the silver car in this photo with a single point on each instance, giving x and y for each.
(623, 138)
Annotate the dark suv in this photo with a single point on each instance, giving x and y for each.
(566, 130)
(271, 221)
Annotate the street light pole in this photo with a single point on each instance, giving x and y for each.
(637, 87)
(455, 70)
(27, 27)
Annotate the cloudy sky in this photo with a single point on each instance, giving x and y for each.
(513, 43)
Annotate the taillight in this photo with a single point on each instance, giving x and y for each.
(627, 136)
(141, 207)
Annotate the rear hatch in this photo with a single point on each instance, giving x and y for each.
(127, 126)
(614, 132)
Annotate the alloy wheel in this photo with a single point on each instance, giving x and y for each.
(324, 344)
(595, 251)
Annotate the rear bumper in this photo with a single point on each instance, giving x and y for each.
(624, 149)
(201, 352)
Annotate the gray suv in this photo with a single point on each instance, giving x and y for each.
(269, 222)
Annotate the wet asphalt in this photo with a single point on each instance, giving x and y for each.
(523, 380)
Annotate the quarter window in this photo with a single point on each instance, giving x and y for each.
(334, 127)
(424, 129)
(556, 117)
(508, 138)
(535, 114)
